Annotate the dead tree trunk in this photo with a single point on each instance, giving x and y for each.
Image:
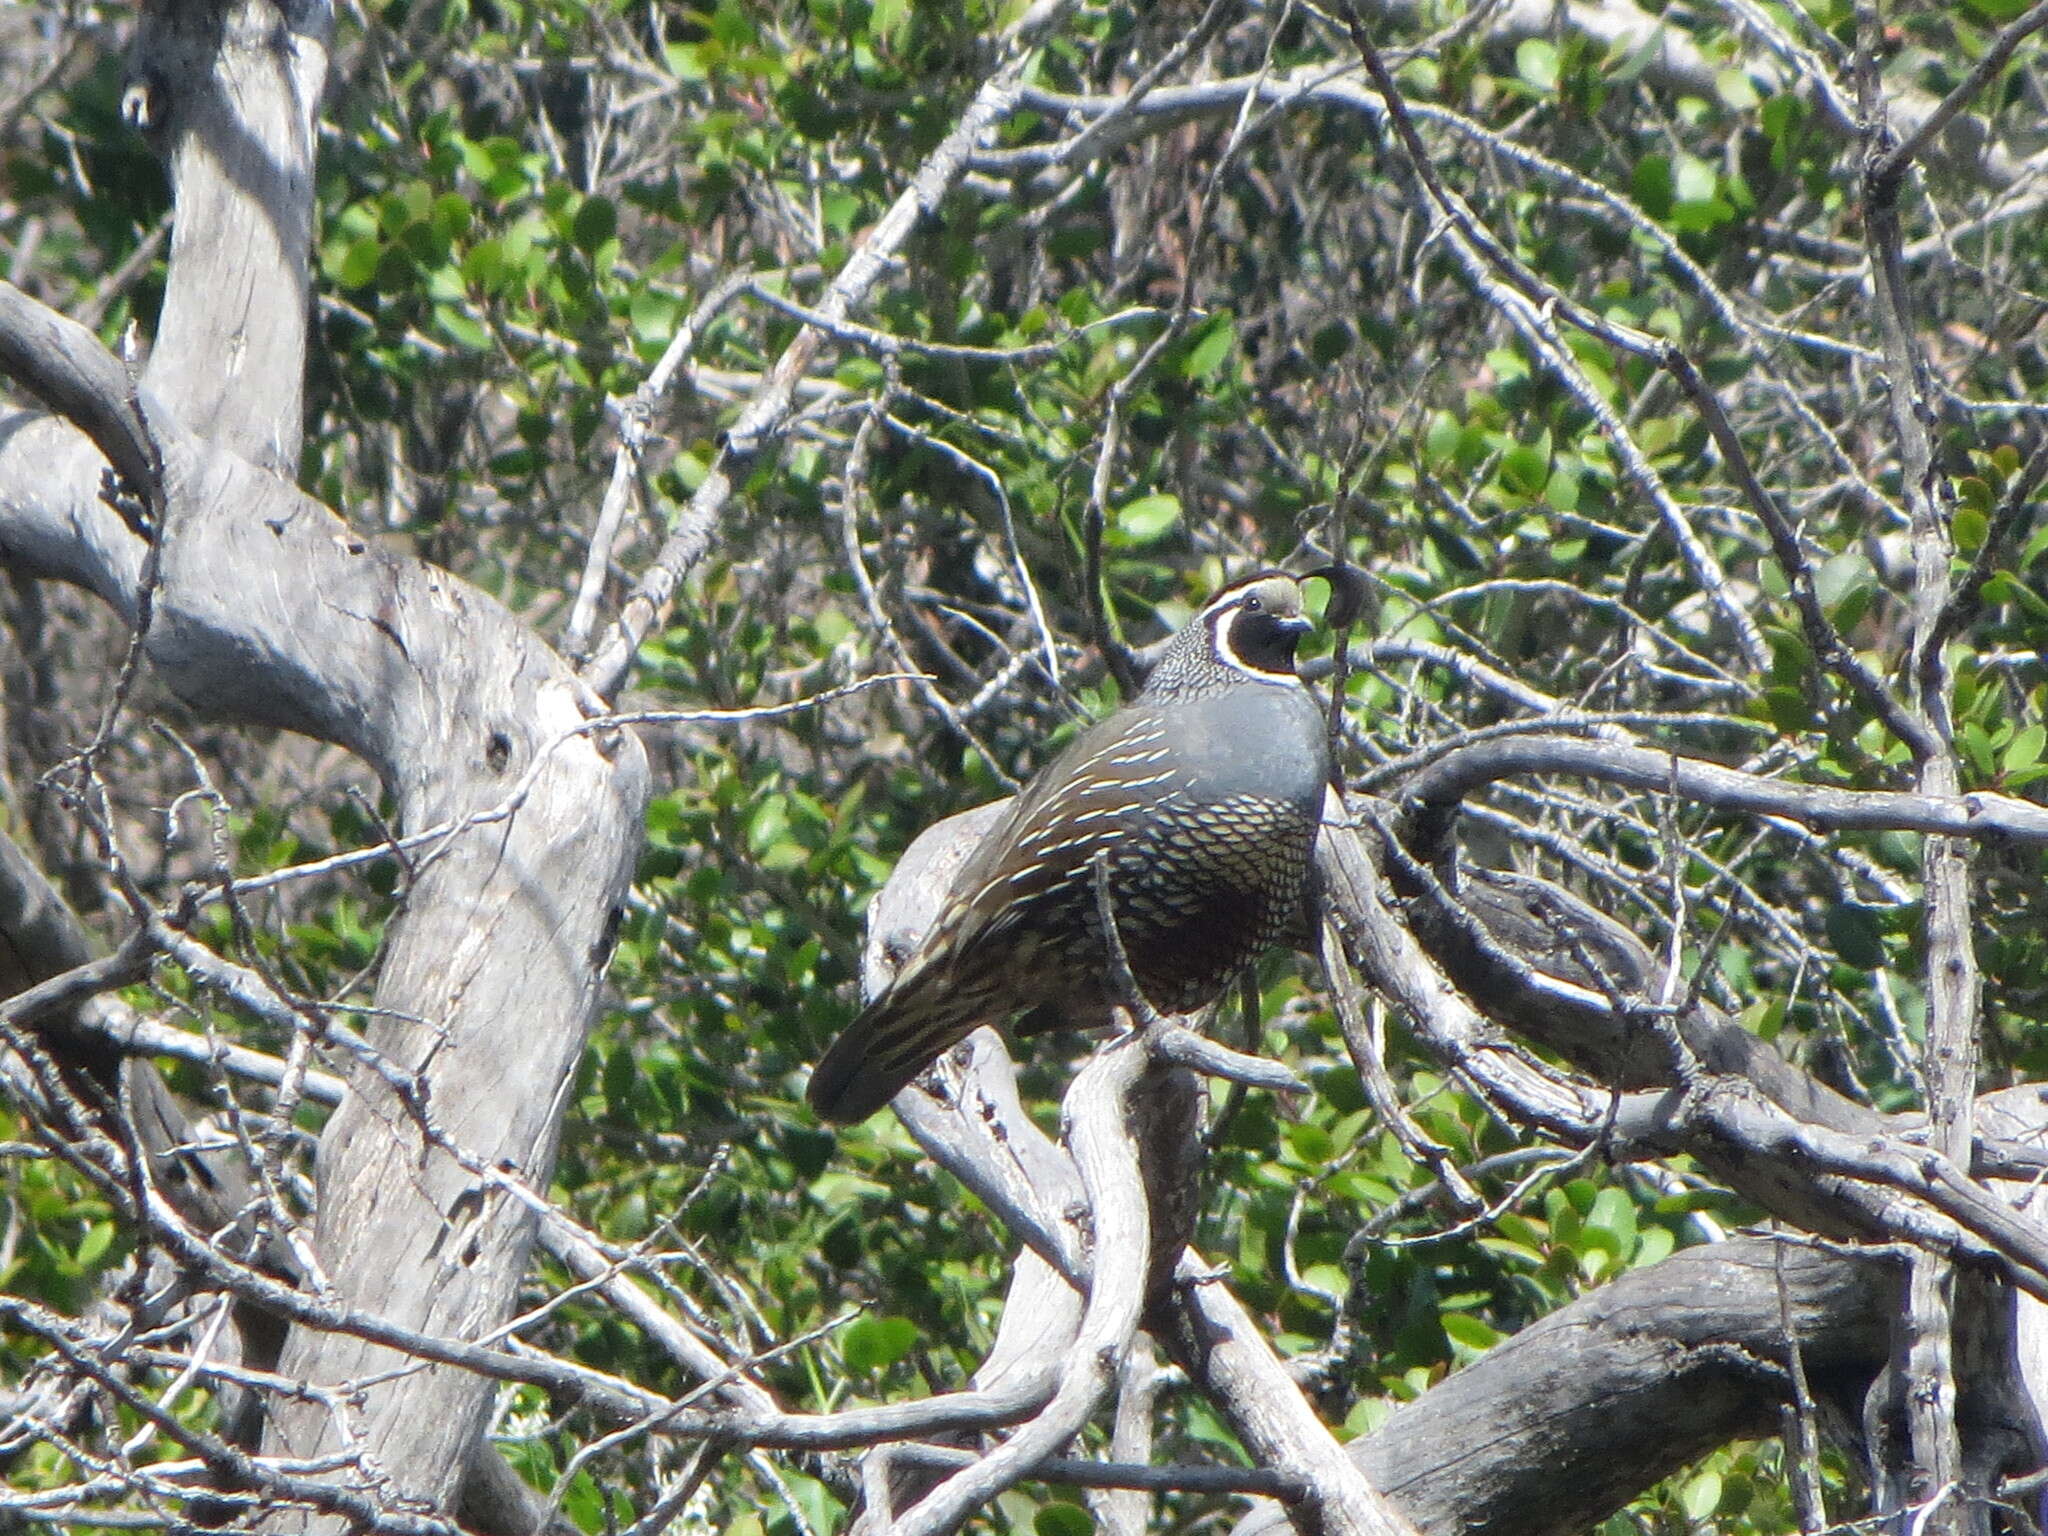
(263, 607)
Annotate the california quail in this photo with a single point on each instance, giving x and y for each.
(1203, 794)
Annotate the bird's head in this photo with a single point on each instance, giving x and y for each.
(1255, 623)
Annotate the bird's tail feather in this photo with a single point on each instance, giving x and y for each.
(896, 1037)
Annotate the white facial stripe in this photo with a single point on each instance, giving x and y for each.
(1219, 648)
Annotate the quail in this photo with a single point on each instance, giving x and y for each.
(1201, 798)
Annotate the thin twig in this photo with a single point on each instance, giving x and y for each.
(759, 430)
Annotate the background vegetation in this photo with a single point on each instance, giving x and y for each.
(1233, 327)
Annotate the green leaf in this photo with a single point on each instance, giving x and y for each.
(1329, 343)
(768, 823)
(1614, 1212)
(1857, 935)
(2025, 749)
(1790, 656)
(1211, 345)
(653, 315)
(1698, 216)
(874, 1343)
(1511, 1252)
(356, 267)
(1063, 1520)
(886, 19)
(1780, 114)
(1702, 1496)
(1310, 1143)
(1652, 185)
(860, 374)
(485, 265)
(461, 328)
(595, 222)
(1766, 1018)
(1976, 744)
(1465, 1329)
(732, 26)
(1846, 586)
(687, 61)
(99, 1237)
(1525, 469)
(1736, 90)
(1536, 62)
(812, 1498)
(2004, 587)
(1443, 439)
(450, 216)
(840, 208)
(1147, 519)
(1329, 1278)
(1693, 180)
(583, 1501)
(1653, 1247)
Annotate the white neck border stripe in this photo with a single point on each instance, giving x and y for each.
(1219, 647)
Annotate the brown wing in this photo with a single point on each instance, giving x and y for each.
(994, 949)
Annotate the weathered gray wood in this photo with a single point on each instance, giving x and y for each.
(1800, 1170)
(973, 1126)
(1563, 1424)
(1555, 1428)
(909, 902)
(272, 611)
(1210, 1335)
(235, 90)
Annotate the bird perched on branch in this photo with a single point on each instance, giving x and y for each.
(1198, 802)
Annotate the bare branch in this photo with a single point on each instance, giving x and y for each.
(760, 427)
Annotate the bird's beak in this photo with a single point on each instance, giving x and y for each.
(1297, 626)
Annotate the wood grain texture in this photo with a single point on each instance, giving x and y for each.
(271, 611)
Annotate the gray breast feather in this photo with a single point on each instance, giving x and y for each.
(1265, 740)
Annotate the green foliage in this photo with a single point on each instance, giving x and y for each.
(511, 232)
(65, 1234)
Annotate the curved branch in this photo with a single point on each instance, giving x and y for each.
(270, 610)
(1845, 1184)
(1434, 793)
(1556, 1428)
(1106, 1154)
(64, 366)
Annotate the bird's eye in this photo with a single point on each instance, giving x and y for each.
(1252, 605)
